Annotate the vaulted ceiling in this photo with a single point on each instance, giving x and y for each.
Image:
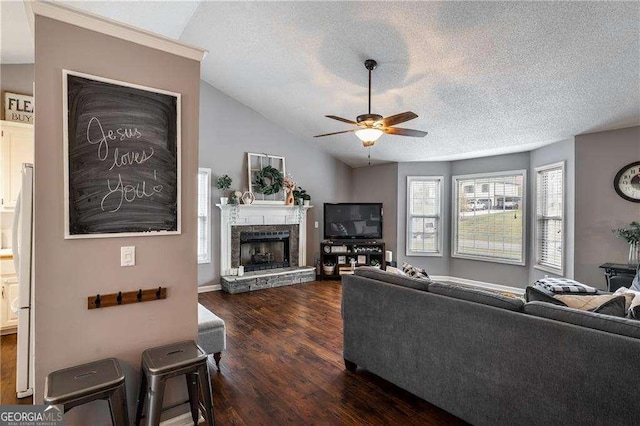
(484, 77)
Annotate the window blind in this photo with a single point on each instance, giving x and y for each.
(488, 217)
(204, 208)
(423, 218)
(549, 216)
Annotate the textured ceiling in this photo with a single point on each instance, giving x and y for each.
(484, 77)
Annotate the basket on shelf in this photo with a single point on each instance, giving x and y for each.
(328, 269)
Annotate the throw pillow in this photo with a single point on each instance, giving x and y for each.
(540, 294)
(635, 285)
(633, 301)
(395, 271)
(415, 272)
(565, 285)
(607, 304)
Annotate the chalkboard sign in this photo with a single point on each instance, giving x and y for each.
(122, 158)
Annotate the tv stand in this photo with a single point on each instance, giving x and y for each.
(340, 252)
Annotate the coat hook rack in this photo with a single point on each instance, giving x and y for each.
(125, 298)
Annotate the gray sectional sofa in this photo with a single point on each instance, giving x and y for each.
(490, 359)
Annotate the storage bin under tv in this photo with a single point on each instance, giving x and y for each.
(339, 254)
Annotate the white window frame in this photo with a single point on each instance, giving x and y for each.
(454, 217)
(547, 268)
(206, 257)
(440, 236)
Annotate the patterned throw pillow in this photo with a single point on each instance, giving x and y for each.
(415, 272)
(565, 285)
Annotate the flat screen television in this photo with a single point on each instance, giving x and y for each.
(352, 221)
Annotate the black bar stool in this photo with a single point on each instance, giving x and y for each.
(164, 362)
(75, 386)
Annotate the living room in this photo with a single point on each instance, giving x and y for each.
(558, 88)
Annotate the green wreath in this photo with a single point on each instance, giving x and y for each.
(268, 181)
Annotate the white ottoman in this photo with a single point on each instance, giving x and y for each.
(212, 336)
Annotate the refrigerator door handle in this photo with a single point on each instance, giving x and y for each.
(14, 234)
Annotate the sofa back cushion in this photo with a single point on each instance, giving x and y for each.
(401, 280)
(608, 323)
(477, 295)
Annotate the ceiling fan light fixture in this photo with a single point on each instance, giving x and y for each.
(369, 135)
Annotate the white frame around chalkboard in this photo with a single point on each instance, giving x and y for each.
(265, 160)
(65, 143)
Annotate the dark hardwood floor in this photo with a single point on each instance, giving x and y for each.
(8, 350)
(283, 365)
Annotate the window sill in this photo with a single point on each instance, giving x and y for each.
(425, 254)
(488, 259)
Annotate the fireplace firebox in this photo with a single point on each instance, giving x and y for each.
(264, 250)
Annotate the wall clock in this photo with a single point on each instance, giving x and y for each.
(627, 182)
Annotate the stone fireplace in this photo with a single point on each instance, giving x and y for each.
(254, 236)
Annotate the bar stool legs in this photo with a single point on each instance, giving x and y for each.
(142, 394)
(156, 394)
(205, 389)
(118, 406)
(192, 387)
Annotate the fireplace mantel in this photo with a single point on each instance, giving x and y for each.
(260, 214)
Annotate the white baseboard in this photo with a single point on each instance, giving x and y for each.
(206, 288)
(181, 420)
(480, 284)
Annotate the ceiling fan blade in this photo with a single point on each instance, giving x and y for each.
(398, 118)
(404, 132)
(335, 133)
(344, 120)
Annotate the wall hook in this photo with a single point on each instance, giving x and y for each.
(126, 297)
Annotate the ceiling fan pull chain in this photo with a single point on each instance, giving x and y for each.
(369, 155)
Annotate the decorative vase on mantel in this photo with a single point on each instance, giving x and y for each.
(634, 254)
(289, 200)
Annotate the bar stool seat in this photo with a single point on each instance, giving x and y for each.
(84, 383)
(164, 362)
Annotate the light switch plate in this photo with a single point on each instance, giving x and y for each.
(316, 224)
(128, 256)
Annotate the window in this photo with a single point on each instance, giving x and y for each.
(488, 222)
(549, 224)
(204, 215)
(424, 233)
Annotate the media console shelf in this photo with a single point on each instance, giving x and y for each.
(340, 253)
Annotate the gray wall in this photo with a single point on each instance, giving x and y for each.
(17, 78)
(498, 273)
(435, 265)
(550, 154)
(599, 209)
(228, 130)
(68, 271)
(377, 184)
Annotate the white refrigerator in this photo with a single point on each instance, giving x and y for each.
(23, 261)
